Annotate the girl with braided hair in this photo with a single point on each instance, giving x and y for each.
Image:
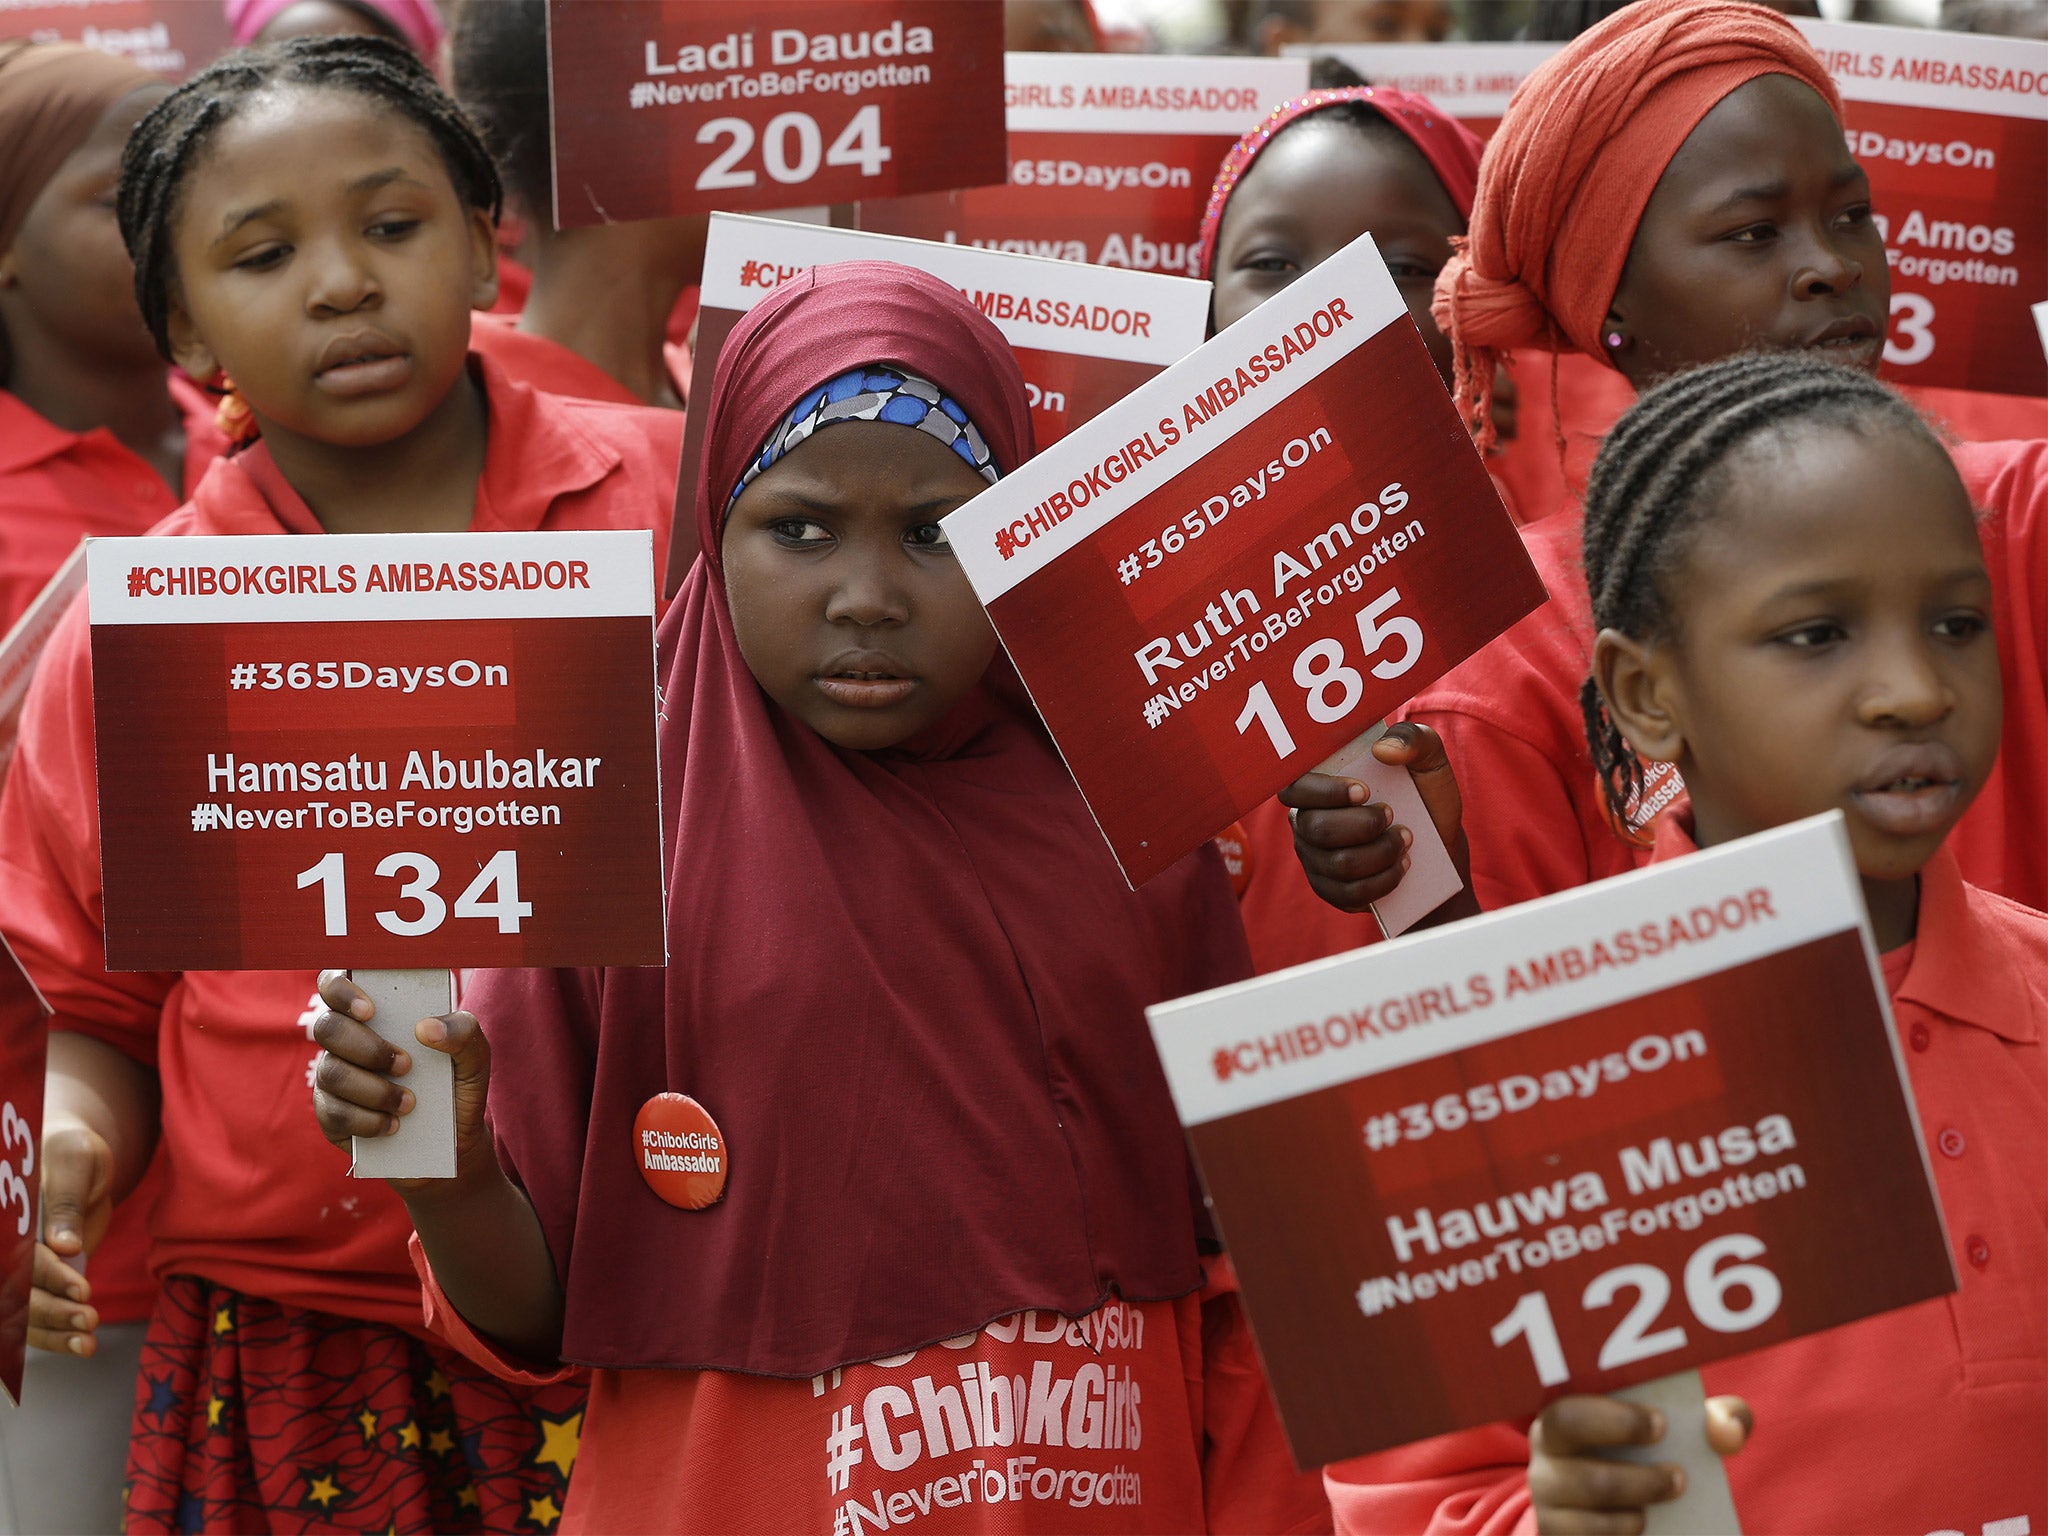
(1793, 608)
(311, 225)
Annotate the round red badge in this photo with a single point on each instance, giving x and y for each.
(1236, 849)
(681, 1151)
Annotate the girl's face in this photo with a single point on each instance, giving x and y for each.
(67, 274)
(1759, 235)
(325, 261)
(1831, 648)
(1315, 188)
(848, 604)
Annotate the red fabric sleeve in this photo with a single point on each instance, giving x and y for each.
(1474, 1483)
(50, 903)
(447, 1325)
(1531, 832)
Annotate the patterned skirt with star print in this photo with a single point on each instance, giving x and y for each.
(251, 1416)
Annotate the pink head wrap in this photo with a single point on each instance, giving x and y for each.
(1571, 168)
(418, 22)
(1451, 149)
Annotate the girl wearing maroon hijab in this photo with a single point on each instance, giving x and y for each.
(954, 1273)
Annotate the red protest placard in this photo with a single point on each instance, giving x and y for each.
(1953, 131)
(24, 1042)
(401, 751)
(168, 37)
(1083, 339)
(1563, 1148)
(665, 107)
(1111, 158)
(1246, 563)
(1471, 81)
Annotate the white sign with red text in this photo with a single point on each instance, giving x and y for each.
(23, 646)
(1084, 337)
(1227, 576)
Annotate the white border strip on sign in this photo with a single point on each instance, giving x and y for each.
(1866, 62)
(23, 646)
(620, 573)
(1048, 92)
(1177, 308)
(1806, 866)
(1464, 79)
(1355, 273)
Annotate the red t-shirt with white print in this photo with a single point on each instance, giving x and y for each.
(1146, 1417)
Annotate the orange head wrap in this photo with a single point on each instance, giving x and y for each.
(1567, 176)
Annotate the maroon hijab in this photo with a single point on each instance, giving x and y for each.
(908, 984)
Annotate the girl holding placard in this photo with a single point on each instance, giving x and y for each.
(311, 227)
(1318, 172)
(875, 1198)
(1793, 608)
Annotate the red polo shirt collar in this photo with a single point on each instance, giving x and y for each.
(1959, 968)
(533, 458)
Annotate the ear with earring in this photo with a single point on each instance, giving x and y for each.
(236, 421)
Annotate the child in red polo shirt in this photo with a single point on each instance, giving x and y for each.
(95, 438)
(314, 222)
(1793, 608)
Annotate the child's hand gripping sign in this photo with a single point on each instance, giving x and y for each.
(408, 752)
(1216, 584)
(1564, 1148)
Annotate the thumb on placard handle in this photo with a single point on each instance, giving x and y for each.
(1436, 872)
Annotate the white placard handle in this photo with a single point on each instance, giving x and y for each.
(1432, 877)
(424, 1147)
(1706, 1508)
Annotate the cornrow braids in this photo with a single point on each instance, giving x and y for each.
(169, 141)
(1665, 468)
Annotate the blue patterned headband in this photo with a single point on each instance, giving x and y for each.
(875, 393)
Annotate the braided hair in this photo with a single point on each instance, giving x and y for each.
(1665, 468)
(168, 143)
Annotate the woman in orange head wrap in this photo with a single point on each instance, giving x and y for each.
(1579, 159)
(1671, 188)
